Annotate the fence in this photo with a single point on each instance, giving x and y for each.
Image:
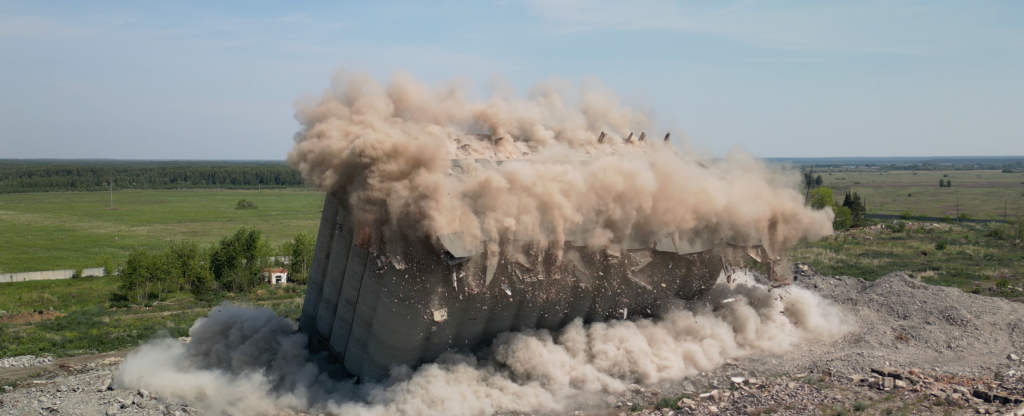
(48, 275)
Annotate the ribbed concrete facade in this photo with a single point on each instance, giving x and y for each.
(373, 311)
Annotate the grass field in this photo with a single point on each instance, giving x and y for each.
(91, 325)
(982, 258)
(45, 231)
(48, 231)
(982, 194)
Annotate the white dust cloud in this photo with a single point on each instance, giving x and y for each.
(388, 150)
(245, 361)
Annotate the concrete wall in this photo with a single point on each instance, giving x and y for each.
(47, 275)
(372, 311)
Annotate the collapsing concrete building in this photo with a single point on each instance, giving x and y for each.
(448, 221)
(373, 308)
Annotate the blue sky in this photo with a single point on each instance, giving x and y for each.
(194, 80)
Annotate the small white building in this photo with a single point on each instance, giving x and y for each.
(277, 275)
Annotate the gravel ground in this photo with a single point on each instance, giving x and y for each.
(915, 349)
(948, 352)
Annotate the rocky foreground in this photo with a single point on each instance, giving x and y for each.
(915, 349)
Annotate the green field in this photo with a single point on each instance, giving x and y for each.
(91, 325)
(982, 258)
(44, 231)
(48, 231)
(982, 194)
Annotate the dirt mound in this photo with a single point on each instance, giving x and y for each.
(28, 317)
(902, 322)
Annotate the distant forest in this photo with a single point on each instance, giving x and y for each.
(1005, 163)
(17, 176)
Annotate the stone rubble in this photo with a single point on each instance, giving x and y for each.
(24, 361)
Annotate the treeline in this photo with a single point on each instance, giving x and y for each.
(1009, 167)
(235, 264)
(60, 176)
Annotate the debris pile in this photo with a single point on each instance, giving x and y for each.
(24, 361)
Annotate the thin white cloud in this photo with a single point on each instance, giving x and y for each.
(869, 26)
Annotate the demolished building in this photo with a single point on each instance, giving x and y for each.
(372, 308)
(448, 221)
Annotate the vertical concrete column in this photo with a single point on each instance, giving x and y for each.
(334, 278)
(321, 256)
(400, 323)
(348, 299)
(366, 307)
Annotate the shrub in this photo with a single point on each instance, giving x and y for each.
(108, 265)
(906, 215)
(843, 219)
(245, 204)
(77, 273)
(668, 403)
(964, 216)
(941, 245)
(859, 406)
(897, 227)
(1002, 283)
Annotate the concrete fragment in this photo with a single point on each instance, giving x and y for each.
(887, 383)
(1012, 357)
(856, 378)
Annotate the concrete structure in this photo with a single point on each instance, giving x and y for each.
(276, 275)
(374, 310)
(48, 275)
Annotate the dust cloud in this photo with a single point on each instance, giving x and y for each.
(561, 164)
(250, 361)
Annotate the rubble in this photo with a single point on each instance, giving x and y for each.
(24, 361)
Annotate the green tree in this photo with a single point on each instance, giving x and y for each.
(843, 220)
(942, 183)
(190, 264)
(949, 183)
(301, 257)
(858, 212)
(237, 261)
(821, 198)
(108, 265)
(144, 274)
(818, 181)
